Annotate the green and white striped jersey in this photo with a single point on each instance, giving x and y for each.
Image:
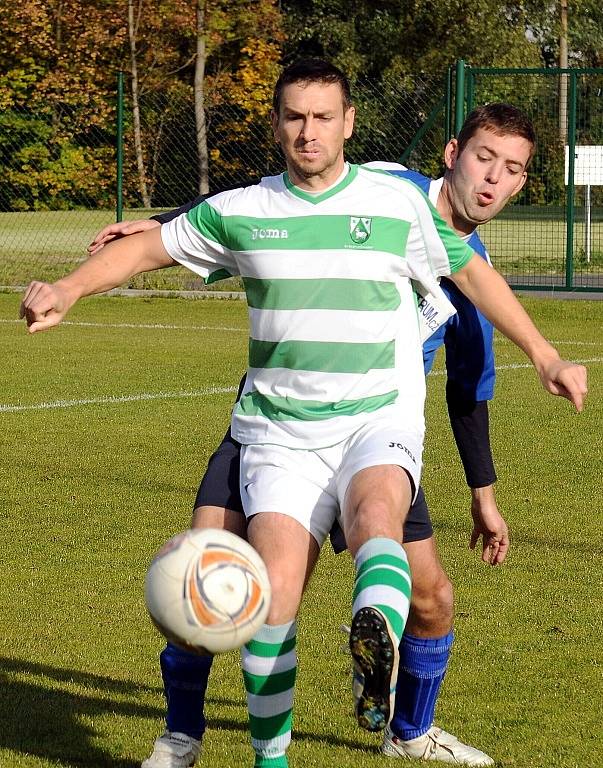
(334, 333)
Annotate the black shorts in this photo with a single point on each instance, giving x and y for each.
(220, 488)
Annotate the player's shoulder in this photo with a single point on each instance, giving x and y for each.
(398, 181)
(232, 200)
(478, 246)
(378, 175)
(402, 172)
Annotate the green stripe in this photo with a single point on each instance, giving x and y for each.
(270, 650)
(270, 762)
(302, 233)
(292, 409)
(382, 577)
(270, 727)
(324, 356)
(457, 250)
(334, 293)
(207, 221)
(219, 274)
(396, 622)
(266, 685)
(393, 560)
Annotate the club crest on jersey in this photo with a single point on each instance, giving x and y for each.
(360, 228)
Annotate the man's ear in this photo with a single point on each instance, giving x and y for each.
(521, 183)
(348, 121)
(274, 121)
(451, 153)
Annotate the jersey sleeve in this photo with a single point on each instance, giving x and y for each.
(432, 243)
(198, 241)
(470, 424)
(469, 340)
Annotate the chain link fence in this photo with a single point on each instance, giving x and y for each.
(60, 183)
(62, 178)
(551, 236)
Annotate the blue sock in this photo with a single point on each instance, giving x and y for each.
(423, 662)
(185, 678)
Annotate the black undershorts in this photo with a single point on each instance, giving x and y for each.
(220, 488)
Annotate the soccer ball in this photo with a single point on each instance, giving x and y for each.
(207, 591)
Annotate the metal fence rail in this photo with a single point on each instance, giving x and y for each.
(552, 236)
(64, 176)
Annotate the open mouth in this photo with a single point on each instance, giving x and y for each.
(485, 198)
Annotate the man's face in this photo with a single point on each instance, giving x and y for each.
(485, 175)
(311, 128)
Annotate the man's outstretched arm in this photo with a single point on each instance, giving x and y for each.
(44, 305)
(487, 289)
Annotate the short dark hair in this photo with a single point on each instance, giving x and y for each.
(310, 70)
(501, 119)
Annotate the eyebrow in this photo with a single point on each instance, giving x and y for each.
(290, 112)
(510, 161)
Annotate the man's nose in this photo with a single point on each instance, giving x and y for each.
(494, 173)
(309, 129)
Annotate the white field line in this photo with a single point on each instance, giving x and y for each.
(169, 327)
(206, 391)
(114, 399)
(503, 340)
(517, 366)
(146, 326)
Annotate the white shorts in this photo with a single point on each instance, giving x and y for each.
(310, 485)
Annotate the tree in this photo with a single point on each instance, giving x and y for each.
(134, 15)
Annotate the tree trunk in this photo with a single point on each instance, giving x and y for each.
(563, 79)
(58, 41)
(132, 30)
(199, 96)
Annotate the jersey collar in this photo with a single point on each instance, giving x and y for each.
(297, 192)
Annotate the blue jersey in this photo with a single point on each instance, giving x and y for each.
(468, 336)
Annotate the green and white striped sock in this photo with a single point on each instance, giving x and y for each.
(383, 582)
(269, 669)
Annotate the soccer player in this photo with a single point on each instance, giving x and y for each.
(331, 415)
(485, 167)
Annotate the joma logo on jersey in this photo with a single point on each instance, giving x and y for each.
(269, 234)
(360, 228)
(402, 447)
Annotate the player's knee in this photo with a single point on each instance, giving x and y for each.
(432, 605)
(370, 518)
(287, 591)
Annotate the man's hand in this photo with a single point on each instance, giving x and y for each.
(44, 305)
(489, 524)
(120, 229)
(565, 379)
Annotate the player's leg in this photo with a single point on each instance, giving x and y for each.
(289, 543)
(381, 587)
(185, 674)
(269, 660)
(376, 494)
(424, 654)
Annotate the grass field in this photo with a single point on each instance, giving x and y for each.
(106, 425)
(47, 244)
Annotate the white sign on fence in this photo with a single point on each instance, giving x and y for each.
(588, 166)
(588, 172)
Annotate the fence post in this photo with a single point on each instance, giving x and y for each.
(459, 115)
(119, 141)
(470, 89)
(448, 108)
(571, 151)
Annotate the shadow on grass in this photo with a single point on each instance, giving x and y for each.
(42, 717)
